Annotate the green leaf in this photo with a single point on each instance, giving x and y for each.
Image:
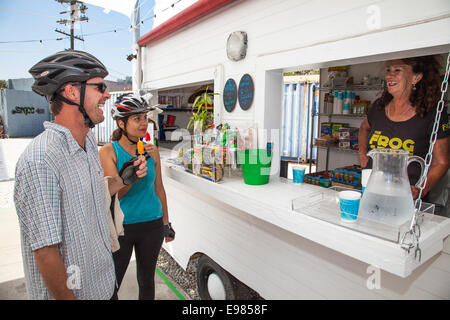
(196, 102)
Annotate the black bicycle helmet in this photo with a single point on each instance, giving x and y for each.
(128, 104)
(62, 67)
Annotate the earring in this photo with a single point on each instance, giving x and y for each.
(414, 86)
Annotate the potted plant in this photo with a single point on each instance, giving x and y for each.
(202, 110)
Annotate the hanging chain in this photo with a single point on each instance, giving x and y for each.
(410, 238)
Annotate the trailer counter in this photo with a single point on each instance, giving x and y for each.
(272, 203)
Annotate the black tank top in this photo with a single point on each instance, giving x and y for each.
(412, 135)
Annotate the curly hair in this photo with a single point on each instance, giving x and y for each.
(427, 93)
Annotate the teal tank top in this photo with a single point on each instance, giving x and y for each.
(140, 203)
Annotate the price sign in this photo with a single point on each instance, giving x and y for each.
(230, 95)
(245, 92)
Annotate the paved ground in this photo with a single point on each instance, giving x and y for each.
(12, 283)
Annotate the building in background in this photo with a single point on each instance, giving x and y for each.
(24, 112)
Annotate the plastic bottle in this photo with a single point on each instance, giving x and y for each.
(355, 107)
(340, 102)
(346, 103)
(325, 104)
(335, 102)
(330, 104)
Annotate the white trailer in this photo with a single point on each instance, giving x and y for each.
(252, 232)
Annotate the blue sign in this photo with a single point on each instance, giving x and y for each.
(245, 92)
(230, 95)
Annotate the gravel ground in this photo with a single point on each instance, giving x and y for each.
(185, 279)
(188, 279)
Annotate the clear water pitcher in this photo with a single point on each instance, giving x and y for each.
(387, 198)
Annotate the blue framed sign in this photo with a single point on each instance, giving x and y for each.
(230, 95)
(245, 92)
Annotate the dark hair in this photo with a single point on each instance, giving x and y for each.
(56, 103)
(427, 93)
(117, 134)
(56, 106)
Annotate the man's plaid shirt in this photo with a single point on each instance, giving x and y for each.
(59, 199)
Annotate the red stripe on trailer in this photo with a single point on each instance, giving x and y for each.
(199, 9)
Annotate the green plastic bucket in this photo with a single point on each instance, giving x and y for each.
(255, 165)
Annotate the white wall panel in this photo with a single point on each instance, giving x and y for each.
(274, 26)
(291, 34)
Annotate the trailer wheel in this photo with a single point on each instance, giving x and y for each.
(213, 282)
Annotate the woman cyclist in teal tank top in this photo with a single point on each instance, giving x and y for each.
(144, 204)
(140, 204)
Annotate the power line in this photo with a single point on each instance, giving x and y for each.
(63, 38)
(75, 9)
(55, 17)
(154, 16)
(115, 30)
(36, 40)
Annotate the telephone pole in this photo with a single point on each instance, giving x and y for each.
(75, 8)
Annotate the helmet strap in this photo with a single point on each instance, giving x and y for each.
(124, 131)
(87, 121)
(126, 136)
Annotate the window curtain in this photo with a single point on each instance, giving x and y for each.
(299, 102)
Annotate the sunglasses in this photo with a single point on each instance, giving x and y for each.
(101, 86)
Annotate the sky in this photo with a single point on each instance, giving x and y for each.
(23, 20)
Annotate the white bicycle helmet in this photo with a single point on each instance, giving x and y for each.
(129, 104)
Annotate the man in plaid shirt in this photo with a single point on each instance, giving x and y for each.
(59, 187)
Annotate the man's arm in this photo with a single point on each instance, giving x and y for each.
(51, 267)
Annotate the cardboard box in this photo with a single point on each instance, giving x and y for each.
(324, 142)
(325, 130)
(348, 133)
(335, 129)
(344, 144)
(321, 178)
(350, 175)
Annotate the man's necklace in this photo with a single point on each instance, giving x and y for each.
(404, 112)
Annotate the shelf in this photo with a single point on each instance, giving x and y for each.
(356, 87)
(176, 109)
(170, 127)
(356, 116)
(337, 149)
(164, 108)
(289, 158)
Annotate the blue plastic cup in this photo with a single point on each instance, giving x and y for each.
(349, 205)
(365, 175)
(298, 174)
